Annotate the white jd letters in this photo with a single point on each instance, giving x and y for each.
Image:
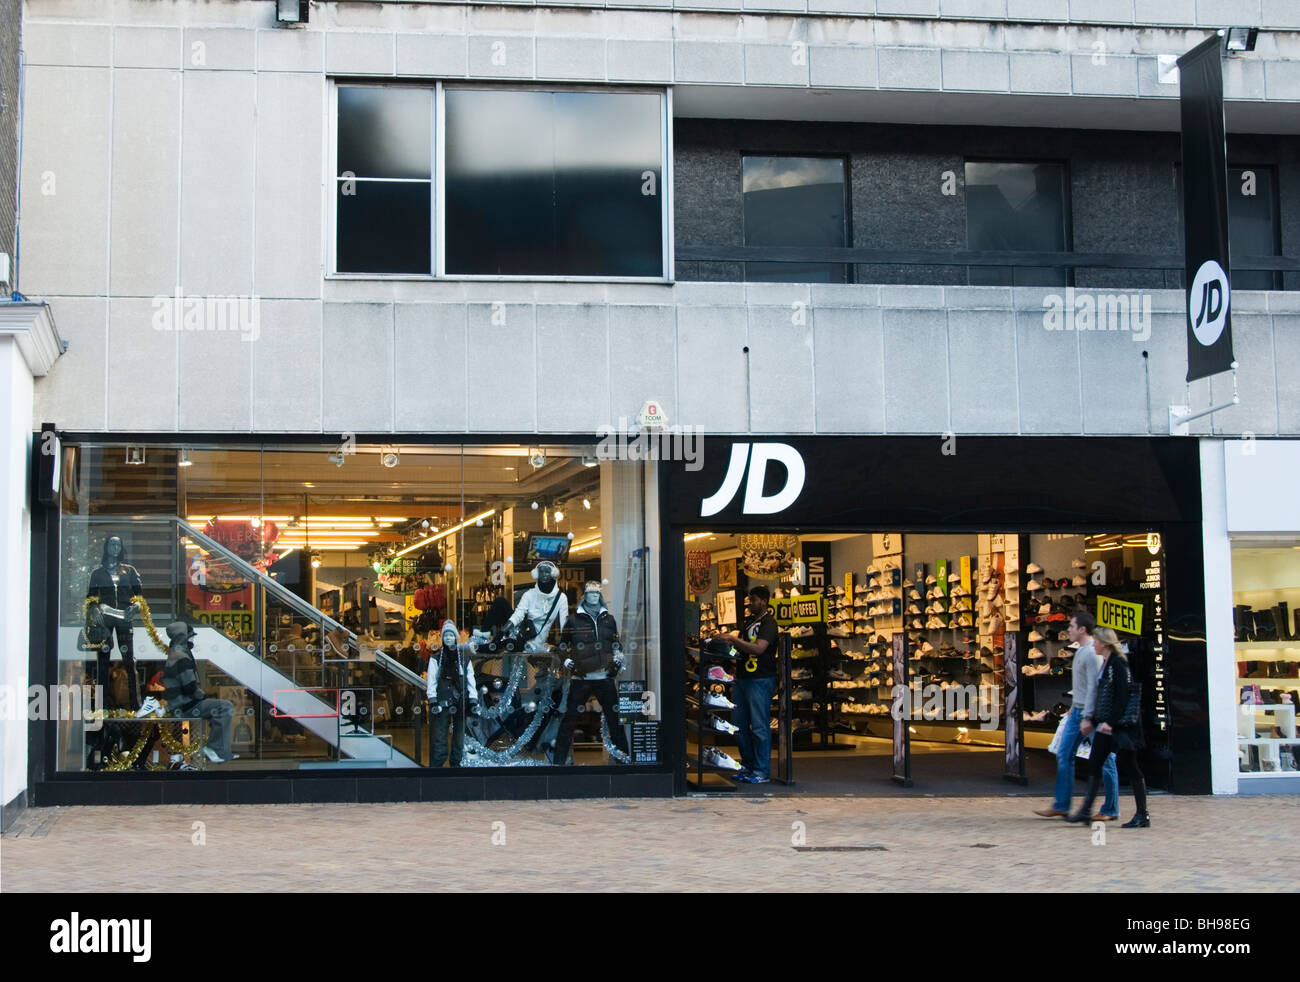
(757, 459)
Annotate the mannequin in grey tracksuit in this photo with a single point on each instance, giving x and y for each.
(452, 694)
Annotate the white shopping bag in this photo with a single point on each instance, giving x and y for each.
(1085, 749)
(1055, 745)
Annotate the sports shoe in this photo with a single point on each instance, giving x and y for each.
(1078, 564)
(718, 674)
(1079, 581)
(838, 631)
(718, 701)
(750, 778)
(722, 725)
(802, 631)
(801, 673)
(1037, 653)
(1034, 635)
(1033, 568)
(713, 757)
(1033, 585)
(150, 707)
(802, 695)
(839, 675)
(913, 609)
(957, 591)
(931, 580)
(935, 624)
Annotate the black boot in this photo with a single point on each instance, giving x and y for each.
(1084, 815)
(1140, 820)
(1283, 618)
(1244, 623)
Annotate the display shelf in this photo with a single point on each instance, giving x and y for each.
(1267, 645)
(1267, 741)
(1261, 775)
(1271, 682)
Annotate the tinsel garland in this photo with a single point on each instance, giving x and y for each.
(148, 623)
(173, 744)
(120, 762)
(501, 757)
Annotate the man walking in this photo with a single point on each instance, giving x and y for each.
(1087, 666)
(755, 685)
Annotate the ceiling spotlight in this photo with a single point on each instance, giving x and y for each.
(446, 568)
(1241, 38)
(559, 515)
(424, 524)
(570, 535)
(390, 457)
(479, 523)
(586, 503)
(255, 521)
(589, 460)
(534, 506)
(184, 459)
(537, 458)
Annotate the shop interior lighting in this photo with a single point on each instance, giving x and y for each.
(446, 532)
(184, 459)
(584, 546)
(695, 535)
(1241, 38)
(589, 460)
(559, 515)
(135, 456)
(390, 457)
(586, 503)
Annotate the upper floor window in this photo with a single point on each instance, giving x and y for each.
(565, 183)
(1016, 207)
(795, 201)
(1253, 227)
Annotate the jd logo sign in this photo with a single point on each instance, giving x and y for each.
(757, 459)
(1207, 302)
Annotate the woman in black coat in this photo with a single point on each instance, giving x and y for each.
(1112, 731)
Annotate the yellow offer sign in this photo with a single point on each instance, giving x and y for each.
(806, 609)
(1119, 615)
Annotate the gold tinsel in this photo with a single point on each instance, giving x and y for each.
(148, 623)
(120, 762)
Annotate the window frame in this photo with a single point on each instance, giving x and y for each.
(1067, 204)
(438, 196)
(846, 157)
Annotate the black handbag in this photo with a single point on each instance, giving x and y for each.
(1133, 711)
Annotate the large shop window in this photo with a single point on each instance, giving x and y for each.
(563, 183)
(795, 201)
(1017, 207)
(1253, 226)
(1266, 619)
(283, 608)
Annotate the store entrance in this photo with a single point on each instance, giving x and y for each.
(983, 625)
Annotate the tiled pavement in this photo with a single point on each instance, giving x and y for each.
(969, 844)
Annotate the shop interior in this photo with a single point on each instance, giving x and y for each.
(956, 598)
(274, 548)
(1266, 622)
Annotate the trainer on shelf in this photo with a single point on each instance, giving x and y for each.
(755, 685)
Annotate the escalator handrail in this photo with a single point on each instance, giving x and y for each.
(281, 592)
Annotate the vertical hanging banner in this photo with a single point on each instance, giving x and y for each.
(1205, 211)
(902, 709)
(1014, 729)
(817, 566)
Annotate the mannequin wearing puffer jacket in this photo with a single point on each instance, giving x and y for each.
(452, 694)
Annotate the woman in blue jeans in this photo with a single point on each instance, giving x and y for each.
(755, 683)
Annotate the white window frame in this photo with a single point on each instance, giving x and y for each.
(439, 189)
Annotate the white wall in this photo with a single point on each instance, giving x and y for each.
(15, 553)
(1220, 653)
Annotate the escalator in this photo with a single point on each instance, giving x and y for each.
(328, 688)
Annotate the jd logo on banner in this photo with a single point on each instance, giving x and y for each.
(755, 502)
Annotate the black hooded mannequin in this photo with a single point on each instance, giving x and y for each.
(112, 585)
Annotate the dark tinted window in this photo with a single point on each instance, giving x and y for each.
(795, 201)
(553, 183)
(1015, 207)
(1252, 225)
(385, 132)
(383, 227)
(384, 186)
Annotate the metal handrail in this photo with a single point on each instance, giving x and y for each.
(720, 252)
(292, 600)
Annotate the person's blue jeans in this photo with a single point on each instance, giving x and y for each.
(1071, 737)
(753, 714)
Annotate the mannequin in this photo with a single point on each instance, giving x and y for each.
(452, 692)
(112, 585)
(184, 697)
(542, 605)
(593, 658)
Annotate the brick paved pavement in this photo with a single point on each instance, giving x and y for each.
(971, 844)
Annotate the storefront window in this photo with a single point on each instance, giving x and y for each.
(284, 608)
(1266, 621)
(985, 619)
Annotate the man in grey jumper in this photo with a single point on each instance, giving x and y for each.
(1087, 666)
